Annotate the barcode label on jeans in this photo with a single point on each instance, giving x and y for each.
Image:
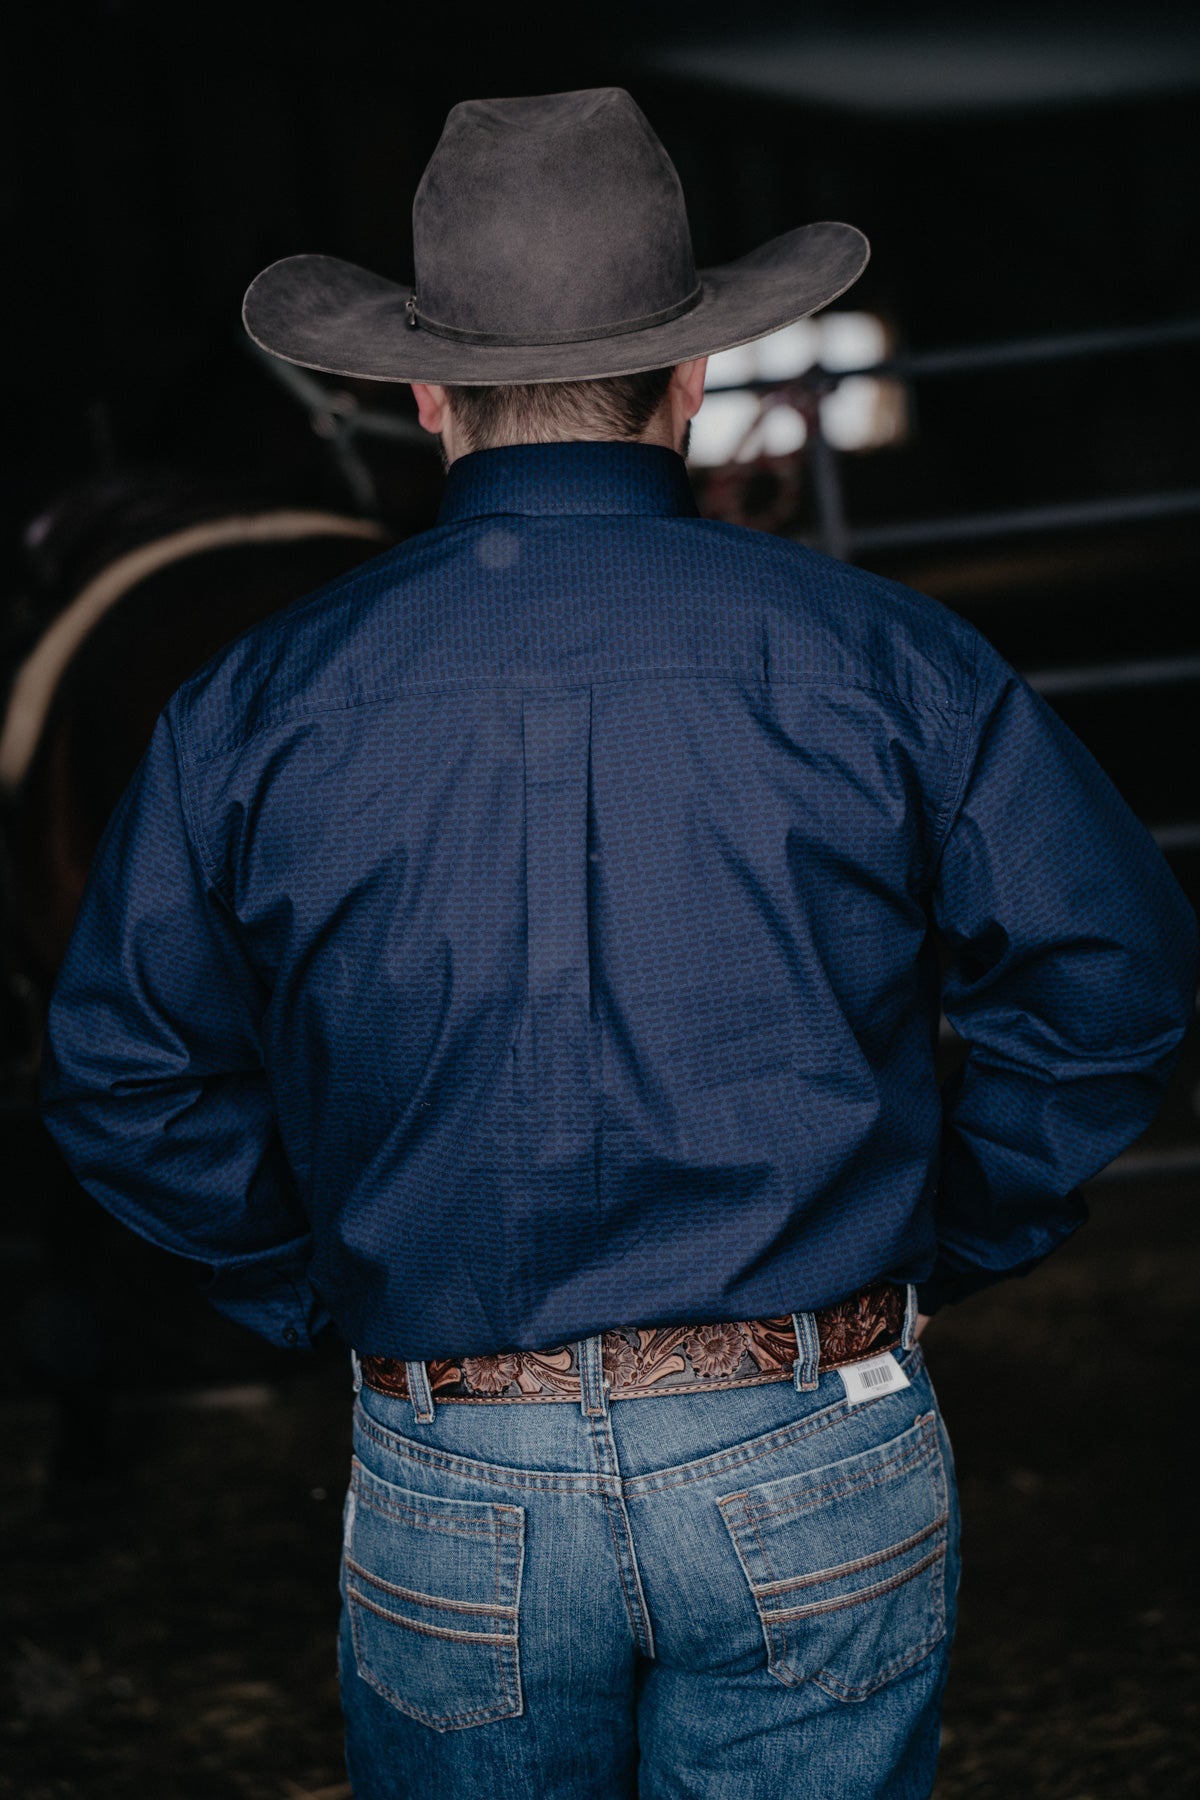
(864, 1380)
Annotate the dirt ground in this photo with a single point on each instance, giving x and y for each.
(169, 1621)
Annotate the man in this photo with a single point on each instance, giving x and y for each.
(522, 954)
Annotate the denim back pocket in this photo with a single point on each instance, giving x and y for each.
(433, 1588)
(847, 1563)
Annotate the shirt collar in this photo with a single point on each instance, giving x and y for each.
(567, 478)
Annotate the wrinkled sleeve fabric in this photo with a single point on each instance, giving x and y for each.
(152, 1077)
(1071, 973)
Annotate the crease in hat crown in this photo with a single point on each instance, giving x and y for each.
(551, 243)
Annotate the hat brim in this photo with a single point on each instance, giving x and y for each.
(327, 314)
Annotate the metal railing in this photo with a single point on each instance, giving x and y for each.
(336, 416)
(1130, 676)
(970, 359)
(837, 537)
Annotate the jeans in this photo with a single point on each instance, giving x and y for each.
(727, 1595)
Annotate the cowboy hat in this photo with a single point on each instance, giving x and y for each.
(551, 243)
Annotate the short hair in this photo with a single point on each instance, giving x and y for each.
(620, 406)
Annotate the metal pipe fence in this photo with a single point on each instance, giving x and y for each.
(337, 416)
(835, 535)
(1106, 678)
(838, 538)
(972, 359)
(1023, 521)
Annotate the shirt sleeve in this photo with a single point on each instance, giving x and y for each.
(1071, 973)
(152, 1073)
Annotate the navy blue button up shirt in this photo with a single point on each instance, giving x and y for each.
(542, 929)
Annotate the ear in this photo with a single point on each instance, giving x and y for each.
(687, 387)
(432, 405)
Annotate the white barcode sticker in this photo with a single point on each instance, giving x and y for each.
(864, 1380)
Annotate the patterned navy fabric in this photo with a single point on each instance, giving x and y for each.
(530, 934)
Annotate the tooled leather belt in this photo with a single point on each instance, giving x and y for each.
(674, 1359)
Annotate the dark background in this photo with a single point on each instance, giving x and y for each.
(171, 1536)
(161, 156)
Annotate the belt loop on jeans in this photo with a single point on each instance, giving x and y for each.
(665, 1359)
(593, 1394)
(420, 1392)
(356, 1371)
(908, 1334)
(808, 1342)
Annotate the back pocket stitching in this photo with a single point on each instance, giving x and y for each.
(773, 1625)
(924, 1451)
(791, 1583)
(507, 1530)
(480, 1715)
(449, 1632)
(826, 1679)
(366, 1487)
(813, 1608)
(430, 1522)
(496, 1609)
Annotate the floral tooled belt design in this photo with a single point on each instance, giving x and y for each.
(663, 1359)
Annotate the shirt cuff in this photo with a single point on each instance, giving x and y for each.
(287, 1310)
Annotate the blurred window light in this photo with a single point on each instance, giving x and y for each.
(783, 432)
(851, 340)
(865, 414)
(723, 428)
(862, 413)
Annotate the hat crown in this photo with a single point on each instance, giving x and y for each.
(550, 218)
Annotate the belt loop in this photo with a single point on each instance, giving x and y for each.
(356, 1371)
(420, 1392)
(808, 1364)
(593, 1393)
(908, 1335)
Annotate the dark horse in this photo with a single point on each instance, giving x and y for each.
(157, 584)
(140, 582)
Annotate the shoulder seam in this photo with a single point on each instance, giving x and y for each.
(959, 762)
